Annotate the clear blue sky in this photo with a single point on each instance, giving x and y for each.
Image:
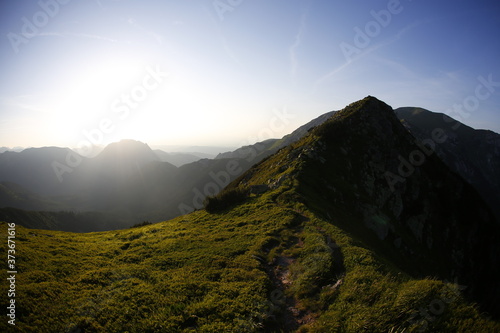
(230, 72)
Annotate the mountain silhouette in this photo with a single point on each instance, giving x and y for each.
(130, 180)
(356, 226)
(364, 172)
(473, 154)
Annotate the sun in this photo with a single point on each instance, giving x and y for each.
(85, 103)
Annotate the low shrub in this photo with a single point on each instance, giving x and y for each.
(225, 200)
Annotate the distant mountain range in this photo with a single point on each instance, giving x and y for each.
(131, 181)
(15, 149)
(356, 226)
(179, 159)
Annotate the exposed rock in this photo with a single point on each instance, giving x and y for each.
(259, 189)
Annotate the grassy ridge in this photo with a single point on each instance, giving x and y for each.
(221, 273)
(282, 261)
(195, 271)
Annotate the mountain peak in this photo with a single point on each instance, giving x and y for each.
(370, 117)
(363, 171)
(368, 106)
(128, 151)
(128, 143)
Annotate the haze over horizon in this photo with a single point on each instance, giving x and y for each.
(233, 72)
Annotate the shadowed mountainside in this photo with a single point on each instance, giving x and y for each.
(473, 154)
(316, 242)
(131, 182)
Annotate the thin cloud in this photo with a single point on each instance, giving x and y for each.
(25, 102)
(157, 37)
(78, 35)
(331, 74)
(294, 63)
(398, 67)
(229, 51)
(217, 26)
(99, 3)
(365, 53)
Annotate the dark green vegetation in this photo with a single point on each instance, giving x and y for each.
(261, 265)
(225, 200)
(64, 220)
(325, 246)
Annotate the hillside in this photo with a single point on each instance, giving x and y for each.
(65, 220)
(355, 172)
(14, 195)
(32, 169)
(260, 150)
(177, 159)
(312, 239)
(129, 182)
(473, 154)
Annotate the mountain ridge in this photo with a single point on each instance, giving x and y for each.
(321, 244)
(142, 187)
(474, 154)
(376, 205)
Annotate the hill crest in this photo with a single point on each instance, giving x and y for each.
(324, 243)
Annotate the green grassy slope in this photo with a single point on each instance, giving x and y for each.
(273, 263)
(260, 265)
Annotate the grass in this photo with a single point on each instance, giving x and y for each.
(285, 260)
(194, 271)
(211, 273)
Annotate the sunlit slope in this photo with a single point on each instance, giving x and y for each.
(196, 271)
(293, 253)
(260, 265)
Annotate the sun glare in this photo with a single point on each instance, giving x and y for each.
(89, 100)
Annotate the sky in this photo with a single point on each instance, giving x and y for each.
(233, 72)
